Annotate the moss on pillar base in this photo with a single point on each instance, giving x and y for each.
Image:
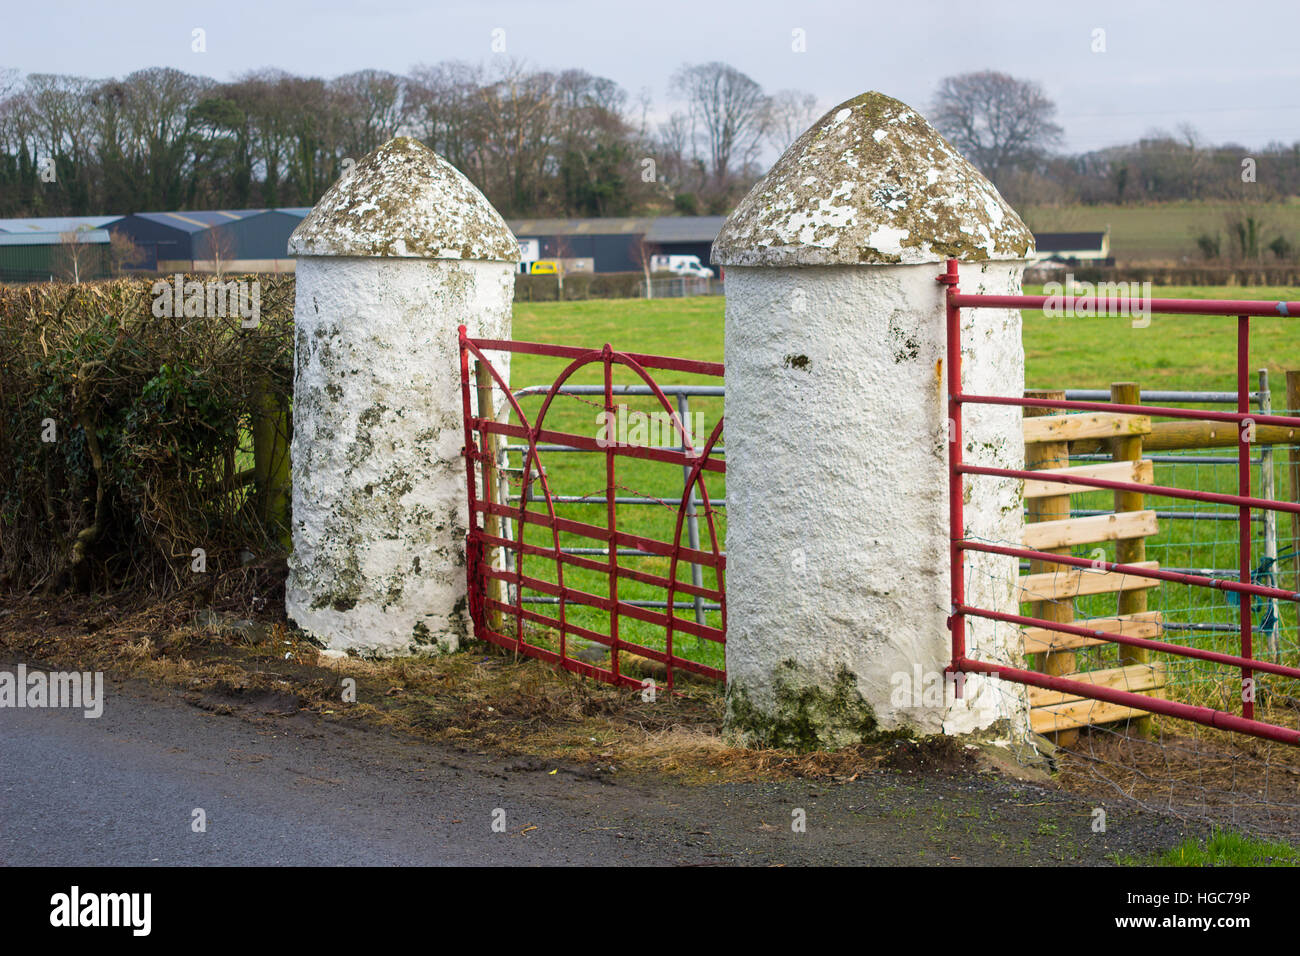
(805, 713)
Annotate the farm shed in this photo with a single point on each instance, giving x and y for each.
(241, 240)
(685, 235)
(612, 242)
(1072, 248)
(56, 224)
(44, 256)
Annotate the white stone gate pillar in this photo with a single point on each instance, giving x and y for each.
(394, 257)
(837, 513)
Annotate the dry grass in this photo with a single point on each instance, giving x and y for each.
(1192, 772)
(481, 700)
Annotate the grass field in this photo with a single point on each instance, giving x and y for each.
(1163, 232)
(688, 328)
(1174, 352)
(1224, 848)
(1177, 352)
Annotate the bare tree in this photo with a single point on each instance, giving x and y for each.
(156, 110)
(444, 107)
(644, 252)
(996, 120)
(516, 113)
(678, 166)
(124, 253)
(732, 111)
(373, 107)
(789, 113)
(63, 123)
(563, 252)
(219, 247)
(72, 257)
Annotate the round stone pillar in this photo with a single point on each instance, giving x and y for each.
(837, 503)
(396, 255)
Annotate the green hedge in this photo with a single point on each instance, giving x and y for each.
(601, 285)
(126, 439)
(168, 434)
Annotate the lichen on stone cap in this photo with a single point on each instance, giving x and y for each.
(404, 200)
(871, 182)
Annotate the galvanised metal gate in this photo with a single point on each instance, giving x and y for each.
(503, 564)
(1242, 419)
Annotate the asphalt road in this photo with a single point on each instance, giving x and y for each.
(290, 788)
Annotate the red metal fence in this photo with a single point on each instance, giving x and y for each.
(497, 587)
(1248, 665)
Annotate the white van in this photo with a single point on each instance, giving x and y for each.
(681, 265)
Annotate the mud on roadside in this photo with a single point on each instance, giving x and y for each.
(484, 702)
(483, 696)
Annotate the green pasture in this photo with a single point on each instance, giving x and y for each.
(685, 328)
(1164, 232)
(1173, 352)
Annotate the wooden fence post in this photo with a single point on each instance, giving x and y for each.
(271, 460)
(1131, 550)
(1054, 454)
(494, 587)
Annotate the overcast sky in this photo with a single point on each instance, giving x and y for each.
(1232, 70)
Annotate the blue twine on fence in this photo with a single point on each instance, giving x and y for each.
(1262, 575)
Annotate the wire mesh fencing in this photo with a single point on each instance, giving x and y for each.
(1157, 621)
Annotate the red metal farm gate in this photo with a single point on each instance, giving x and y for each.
(511, 577)
(1249, 665)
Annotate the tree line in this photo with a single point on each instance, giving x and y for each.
(1006, 126)
(536, 142)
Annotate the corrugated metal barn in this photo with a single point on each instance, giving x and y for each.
(60, 248)
(241, 240)
(685, 235)
(613, 242)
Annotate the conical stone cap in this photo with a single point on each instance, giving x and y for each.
(871, 182)
(405, 200)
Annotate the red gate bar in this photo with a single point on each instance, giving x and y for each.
(1177, 577)
(696, 461)
(1163, 411)
(956, 518)
(1248, 307)
(1154, 490)
(1155, 705)
(664, 362)
(1098, 307)
(1243, 490)
(1179, 650)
